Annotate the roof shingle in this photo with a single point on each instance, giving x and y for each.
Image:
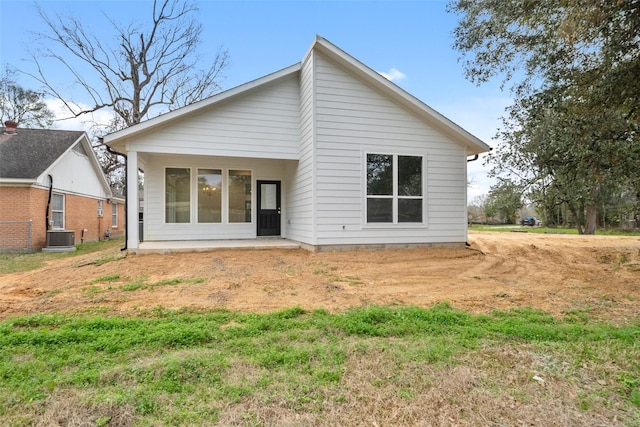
(29, 152)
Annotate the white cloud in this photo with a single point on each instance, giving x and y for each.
(64, 120)
(393, 75)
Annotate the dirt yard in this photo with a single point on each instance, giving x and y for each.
(554, 273)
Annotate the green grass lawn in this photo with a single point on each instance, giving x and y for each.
(548, 230)
(14, 263)
(391, 366)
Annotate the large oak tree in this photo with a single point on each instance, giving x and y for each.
(23, 106)
(572, 65)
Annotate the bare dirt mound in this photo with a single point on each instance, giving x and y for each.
(554, 273)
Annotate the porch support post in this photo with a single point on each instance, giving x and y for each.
(133, 239)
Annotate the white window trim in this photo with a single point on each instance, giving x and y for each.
(64, 209)
(193, 194)
(395, 224)
(225, 173)
(223, 190)
(164, 196)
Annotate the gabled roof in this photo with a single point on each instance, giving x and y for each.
(473, 144)
(29, 152)
(201, 105)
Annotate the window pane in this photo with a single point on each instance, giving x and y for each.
(409, 210)
(178, 189)
(379, 175)
(57, 202)
(209, 195)
(379, 210)
(114, 215)
(58, 219)
(239, 196)
(409, 176)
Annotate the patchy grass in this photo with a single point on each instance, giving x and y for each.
(142, 283)
(549, 230)
(367, 366)
(15, 263)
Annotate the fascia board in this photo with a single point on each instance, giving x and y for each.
(113, 139)
(473, 143)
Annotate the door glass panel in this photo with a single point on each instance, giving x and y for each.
(268, 194)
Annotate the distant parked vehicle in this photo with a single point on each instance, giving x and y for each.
(530, 221)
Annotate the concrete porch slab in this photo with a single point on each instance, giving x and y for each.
(165, 247)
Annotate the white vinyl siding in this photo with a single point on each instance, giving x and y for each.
(263, 123)
(352, 119)
(77, 174)
(300, 175)
(311, 130)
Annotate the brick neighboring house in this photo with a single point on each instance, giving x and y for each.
(51, 180)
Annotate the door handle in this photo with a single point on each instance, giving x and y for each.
(278, 210)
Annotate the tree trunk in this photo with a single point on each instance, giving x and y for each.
(576, 218)
(591, 219)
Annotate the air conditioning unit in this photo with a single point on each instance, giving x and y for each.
(61, 238)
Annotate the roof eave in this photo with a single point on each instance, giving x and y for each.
(17, 182)
(473, 144)
(118, 139)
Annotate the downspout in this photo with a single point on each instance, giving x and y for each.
(475, 157)
(126, 199)
(46, 215)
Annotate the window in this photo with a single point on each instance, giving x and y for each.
(100, 212)
(177, 195)
(57, 211)
(209, 195)
(239, 196)
(394, 189)
(114, 215)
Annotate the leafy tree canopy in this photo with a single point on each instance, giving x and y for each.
(23, 106)
(572, 67)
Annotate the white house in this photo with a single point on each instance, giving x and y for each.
(326, 152)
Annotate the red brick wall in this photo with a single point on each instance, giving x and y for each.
(82, 213)
(22, 204)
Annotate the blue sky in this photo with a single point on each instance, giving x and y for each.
(411, 37)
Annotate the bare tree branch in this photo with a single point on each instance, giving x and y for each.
(153, 67)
